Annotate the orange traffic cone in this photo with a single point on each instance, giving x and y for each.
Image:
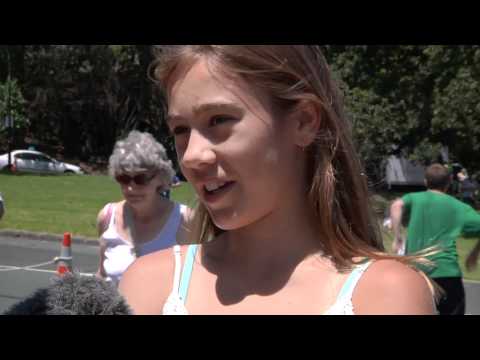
(64, 261)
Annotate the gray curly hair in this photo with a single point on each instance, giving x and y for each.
(141, 152)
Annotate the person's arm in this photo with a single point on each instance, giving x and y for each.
(472, 258)
(396, 212)
(102, 224)
(185, 228)
(471, 229)
(101, 270)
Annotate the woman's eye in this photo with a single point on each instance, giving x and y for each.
(219, 119)
(179, 130)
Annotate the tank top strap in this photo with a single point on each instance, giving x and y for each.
(108, 220)
(111, 214)
(178, 269)
(176, 217)
(167, 236)
(348, 287)
(187, 273)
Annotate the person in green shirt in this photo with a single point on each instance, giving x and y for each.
(436, 219)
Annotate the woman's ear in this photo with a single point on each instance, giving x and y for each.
(161, 189)
(306, 119)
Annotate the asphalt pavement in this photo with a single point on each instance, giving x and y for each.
(16, 253)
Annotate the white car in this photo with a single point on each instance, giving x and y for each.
(37, 162)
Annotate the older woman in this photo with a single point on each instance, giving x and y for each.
(145, 221)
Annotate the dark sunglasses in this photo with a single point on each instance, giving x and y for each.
(140, 179)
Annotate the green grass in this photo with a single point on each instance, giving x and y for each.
(58, 204)
(184, 194)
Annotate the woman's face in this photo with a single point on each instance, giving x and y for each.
(238, 157)
(140, 187)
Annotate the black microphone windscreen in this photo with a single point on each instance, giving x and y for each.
(73, 294)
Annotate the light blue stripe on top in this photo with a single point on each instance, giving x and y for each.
(351, 282)
(187, 273)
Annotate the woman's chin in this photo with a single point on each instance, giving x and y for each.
(135, 200)
(227, 222)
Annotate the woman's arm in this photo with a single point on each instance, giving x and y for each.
(101, 269)
(185, 227)
(472, 258)
(396, 212)
(103, 218)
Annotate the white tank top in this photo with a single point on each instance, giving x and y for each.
(175, 304)
(120, 254)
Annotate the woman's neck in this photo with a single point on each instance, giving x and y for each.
(262, 258)
(279, 238)
(149, 211)
(437, 191)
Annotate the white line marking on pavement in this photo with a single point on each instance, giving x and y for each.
(12, 268)
(472, 281)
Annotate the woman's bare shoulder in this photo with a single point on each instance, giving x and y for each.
(112, 205)
(148, 281)
(391, 287)
(150, 265)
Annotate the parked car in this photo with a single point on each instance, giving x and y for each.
(37, 162)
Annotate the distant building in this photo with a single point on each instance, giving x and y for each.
(402, 172)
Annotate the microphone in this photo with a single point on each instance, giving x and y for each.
(73, 294)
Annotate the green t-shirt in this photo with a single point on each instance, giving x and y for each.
(437, 219)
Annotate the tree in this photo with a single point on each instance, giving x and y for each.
(12, 105)
(410, 100)
(91, 96)
(456, 115)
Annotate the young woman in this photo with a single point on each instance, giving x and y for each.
(283, 224)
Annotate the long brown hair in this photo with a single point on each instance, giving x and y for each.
(338, 190)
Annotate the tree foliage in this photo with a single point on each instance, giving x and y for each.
(13, 107)
(409, 100)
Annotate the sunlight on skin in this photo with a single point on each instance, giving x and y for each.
(271, 155)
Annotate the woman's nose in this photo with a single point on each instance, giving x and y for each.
(199, 152)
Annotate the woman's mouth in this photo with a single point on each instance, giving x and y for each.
(134, 197)
(214, 189)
